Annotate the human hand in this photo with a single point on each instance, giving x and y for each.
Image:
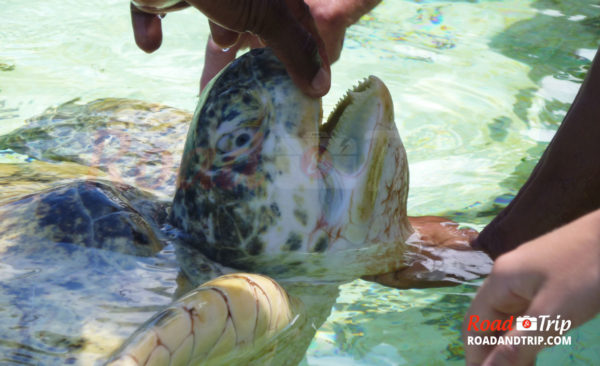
(438, 255)
(331, 18)
(555, 274)
(286, 26)
(441, 232)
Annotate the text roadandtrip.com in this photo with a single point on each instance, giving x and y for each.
(541, 323)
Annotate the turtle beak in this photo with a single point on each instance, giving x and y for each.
(356, 144)
(349, 136)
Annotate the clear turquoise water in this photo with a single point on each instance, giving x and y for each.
(479, 88)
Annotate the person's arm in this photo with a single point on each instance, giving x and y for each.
(555, 274)
(285, 25)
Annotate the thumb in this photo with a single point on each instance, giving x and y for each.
(296, 42)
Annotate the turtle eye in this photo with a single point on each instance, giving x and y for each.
(235, 141)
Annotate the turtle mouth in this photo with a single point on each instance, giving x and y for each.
(346, 136)
(327, 129)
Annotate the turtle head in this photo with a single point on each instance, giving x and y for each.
(264, 186)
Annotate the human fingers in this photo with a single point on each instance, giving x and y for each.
(522, 354)
(224, 38)
(545, 303)
(287, 27)
(146, 18)
(322, 79)
(505, 293)
(556, 310)
(215, 59)
(439, 255)
(441, 232)
(562, 282)
(147, 29)
(332, 18)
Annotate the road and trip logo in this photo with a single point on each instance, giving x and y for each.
(539, 325)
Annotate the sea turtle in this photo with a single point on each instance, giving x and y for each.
(263, 187)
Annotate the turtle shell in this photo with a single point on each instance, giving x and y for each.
(85, 261)
(132, 141)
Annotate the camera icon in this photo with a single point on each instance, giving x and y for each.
(526, 323)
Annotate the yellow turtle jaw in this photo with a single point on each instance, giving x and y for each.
(365, 175)
(350, 131)
(361, 91)
(363, 151)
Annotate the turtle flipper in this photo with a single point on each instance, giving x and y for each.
(232, 319)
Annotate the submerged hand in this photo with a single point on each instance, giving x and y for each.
(440, 256)
(555, 274)
(285, 25)
(441, 232)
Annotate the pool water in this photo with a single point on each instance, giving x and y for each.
(479, 88)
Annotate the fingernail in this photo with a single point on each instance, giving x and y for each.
(321, 80)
